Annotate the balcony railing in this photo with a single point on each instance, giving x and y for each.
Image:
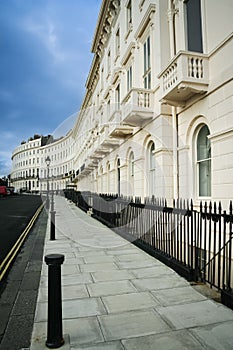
(138, 107)
(185, 77)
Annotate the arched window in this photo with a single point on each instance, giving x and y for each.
(151, 168)
(131, 173)
(204, 162)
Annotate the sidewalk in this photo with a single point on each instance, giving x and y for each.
(115, 296)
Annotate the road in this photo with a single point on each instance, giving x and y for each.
(15, 214)
(19, 287)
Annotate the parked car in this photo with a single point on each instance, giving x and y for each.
(3, 191)
(11, 190)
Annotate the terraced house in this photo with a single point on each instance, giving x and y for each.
(157, 115)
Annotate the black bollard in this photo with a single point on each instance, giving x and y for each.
(54, 325)
(52, 225)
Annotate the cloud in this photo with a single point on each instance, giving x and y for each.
(5, 163)
(45, 32)
(44, 62)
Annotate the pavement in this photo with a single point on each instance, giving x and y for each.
(117, 297)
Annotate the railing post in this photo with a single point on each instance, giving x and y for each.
(54, 325)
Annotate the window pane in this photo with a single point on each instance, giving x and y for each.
(194, 27)
(152, 157)
(149, 80)
(203, 144)
(145, 65)
(148, 52)
(205, 178)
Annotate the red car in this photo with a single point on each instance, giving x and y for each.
(3, 191)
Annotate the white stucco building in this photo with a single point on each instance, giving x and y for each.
(157, 116)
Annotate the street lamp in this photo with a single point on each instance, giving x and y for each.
(47, 161)
(52, 215)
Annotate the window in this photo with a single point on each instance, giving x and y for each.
(108, 110)
(118, 97)
(129, 15)
(108, 177)
(109, 62)
(129, 78)
(131, 173)
(118, 177)
(102, 78)
(147, 64)
(151, 168)
(204, 162)
(194, 26)
(117, 42)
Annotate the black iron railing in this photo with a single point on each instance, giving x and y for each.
(195, 243)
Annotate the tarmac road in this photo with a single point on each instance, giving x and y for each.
(15, 214)
(19, 287)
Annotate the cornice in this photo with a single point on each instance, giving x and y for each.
(108, 13)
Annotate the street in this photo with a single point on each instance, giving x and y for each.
(19, 287)
(15, 214)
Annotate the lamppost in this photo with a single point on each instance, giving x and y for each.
(47, 161)
(52, 215)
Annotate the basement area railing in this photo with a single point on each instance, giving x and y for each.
(196, 244)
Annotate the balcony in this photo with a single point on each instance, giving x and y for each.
(106, 143)
(185, 77)
(116, 128)
(138, 107)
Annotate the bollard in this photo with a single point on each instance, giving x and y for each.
(54, 325)
(52, 225)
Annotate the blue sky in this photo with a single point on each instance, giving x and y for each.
(44, 62)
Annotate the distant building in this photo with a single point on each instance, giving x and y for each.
(29, 170)
(157, 116)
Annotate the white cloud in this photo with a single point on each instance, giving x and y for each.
(45, 32)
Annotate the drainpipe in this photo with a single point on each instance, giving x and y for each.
(171, 14)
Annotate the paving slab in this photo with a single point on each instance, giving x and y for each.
(110, 288)
(116, 345)
(180, 340)
(135, 264)
(167, 281)
(179, 295)
(82, 308)
(107, 266)
(195, 314)
(152, 271)
(117, 275)
(68, 292)
(98, 259)
(131, 324)
(216, 336)
(83, 331)
(128, 302)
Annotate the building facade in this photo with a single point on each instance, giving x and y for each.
(157, 115)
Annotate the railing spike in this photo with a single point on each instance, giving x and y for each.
(219, 207)
(230, 208)
(215, 208)
(210, 206)
(205, 207)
